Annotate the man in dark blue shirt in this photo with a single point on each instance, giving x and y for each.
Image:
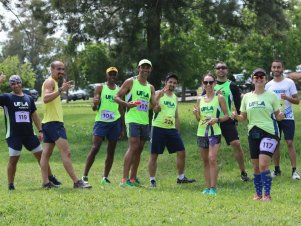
(20, 113)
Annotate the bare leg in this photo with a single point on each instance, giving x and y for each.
(181, 161)
(44, 162)
(152, 165)
(93, 152)
(110, 157)
(204, 155)
(239, 154)
(12, 168)
(136, 159)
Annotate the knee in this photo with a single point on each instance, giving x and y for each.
(289, 143)
(236, 145)
(212, 159)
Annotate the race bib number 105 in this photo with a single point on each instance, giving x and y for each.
(107, 115)
(22, 116)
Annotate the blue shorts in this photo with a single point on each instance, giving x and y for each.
(52, 131)
(288, 129)
(169, 138)
(205, 142)
(110, 130)
(137, 130)
(15, 144)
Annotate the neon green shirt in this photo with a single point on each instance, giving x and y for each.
(167, 116)
(225, 89)
(140, 93)
(108, 108)
(260, 111)
(207, 111)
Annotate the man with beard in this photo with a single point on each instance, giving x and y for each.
(287, 93)
(165, 130)
(53, 125)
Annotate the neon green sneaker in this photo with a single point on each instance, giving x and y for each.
(126, 184)
(105, 181)
(137, 183)
(212, 191)
(206, 191)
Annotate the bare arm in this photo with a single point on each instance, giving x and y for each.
(37, 122)
(124, 89)
(96, 97)
(50, 94)
(158, 95)
(279, 115)
(241, 117)
(177, 120)
(294, 99)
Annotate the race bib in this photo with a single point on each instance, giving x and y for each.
(107, 115)
(22, 116)
(169, 121)
(143, 106)
(268, 144)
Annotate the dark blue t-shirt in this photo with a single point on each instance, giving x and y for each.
(17, 112)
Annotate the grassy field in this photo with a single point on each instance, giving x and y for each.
(168, 204)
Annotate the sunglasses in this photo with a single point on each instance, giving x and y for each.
(208, 82)
(221, 67)
(259, 76)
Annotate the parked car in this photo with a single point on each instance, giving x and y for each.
(31, 92)
(91, 88)
(79, 94)
(191, 92)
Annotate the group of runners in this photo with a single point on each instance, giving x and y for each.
(217, 111)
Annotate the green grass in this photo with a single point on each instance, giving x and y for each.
(168, 204)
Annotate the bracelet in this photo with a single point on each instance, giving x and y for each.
(40, 131)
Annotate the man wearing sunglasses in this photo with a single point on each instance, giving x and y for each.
(229, 131)
(287, 93)
(20, 113)
(109, 121)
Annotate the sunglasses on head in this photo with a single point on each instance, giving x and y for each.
(221, 67)
(259, 76)
(208, 82)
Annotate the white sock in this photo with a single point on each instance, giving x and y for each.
(181, 176)
(152, 178)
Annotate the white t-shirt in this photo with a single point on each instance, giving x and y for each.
(288, 87)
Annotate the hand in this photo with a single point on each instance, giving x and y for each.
(212, 121)
(122, 134)
(67, 85)
(157, 108)
(283, 96)
(131, 104)
(195, 110)
(220, 92)
(40, 136)
(234, 115)
(280, 116)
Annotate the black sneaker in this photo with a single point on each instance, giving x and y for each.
(276, 173)
(153, 184)
(81, 184)
(244, 176)
(49, 185)
(185, 180)
(11, 187)
(53, 179)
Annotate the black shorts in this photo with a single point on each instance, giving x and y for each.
(257, 138)
(229, 131)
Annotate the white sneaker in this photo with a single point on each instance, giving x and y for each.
(296, 175)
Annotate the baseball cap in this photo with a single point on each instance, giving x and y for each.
(144, 61)
(14, 79)
(112, 69)
(259, 70)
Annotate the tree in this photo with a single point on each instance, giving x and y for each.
(12, 66)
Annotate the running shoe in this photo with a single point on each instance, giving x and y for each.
(137, 182)
(276, 173)
(185, 180)
(266, 198)
(153, 184)
(105, 181)
(257, 197)
(126, 184)
(244, 176)
(81, 184)
(206, 191)
(296, 175)
(53, 179)
(49, 185)
(11, 187)
(212, 191)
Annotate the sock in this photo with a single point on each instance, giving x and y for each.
(181, 176)
(277, 168)
(123, 180)
(266, 181)
(293, 169)
(152, 178)
(258, 184)
(104, 178)
(132, 180)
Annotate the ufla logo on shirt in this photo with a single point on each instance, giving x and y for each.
(169, 104)
(257, 104)
(142, 94)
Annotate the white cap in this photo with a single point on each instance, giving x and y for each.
(144, 61)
